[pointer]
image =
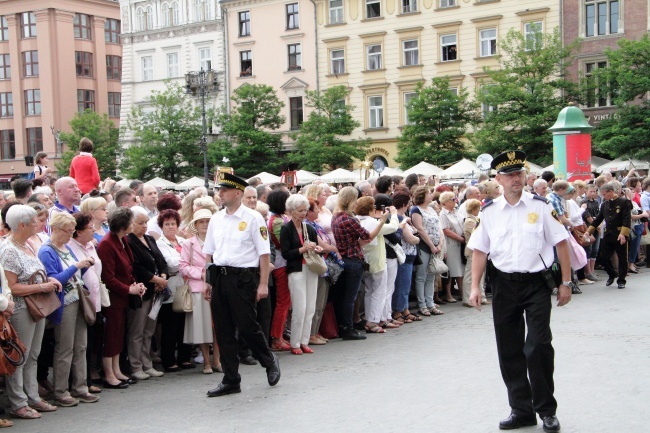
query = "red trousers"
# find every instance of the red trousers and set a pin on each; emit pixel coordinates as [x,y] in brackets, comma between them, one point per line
[282,302]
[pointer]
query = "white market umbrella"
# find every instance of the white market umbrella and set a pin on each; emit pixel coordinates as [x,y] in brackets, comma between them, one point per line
[423,168]
[193,182]
[463,169]
[388,171]
[620,164]
[267,178]
[124,182]
[305,177]
[340,175]
[535,169]
[161,183]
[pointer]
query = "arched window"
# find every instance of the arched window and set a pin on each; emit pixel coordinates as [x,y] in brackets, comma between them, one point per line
[149,18]
[200,9]
[166,17]
[175,14]
[140,18]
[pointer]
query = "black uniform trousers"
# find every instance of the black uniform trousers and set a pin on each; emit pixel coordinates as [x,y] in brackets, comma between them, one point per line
[234,309]
[524,355]
[264,319]
[609,245]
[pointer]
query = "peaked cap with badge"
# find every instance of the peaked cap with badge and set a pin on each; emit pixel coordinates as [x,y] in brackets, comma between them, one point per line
[227,180]
[509,162]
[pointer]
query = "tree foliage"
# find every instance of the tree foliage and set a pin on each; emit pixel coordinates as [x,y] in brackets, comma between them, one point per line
[627,80]
[101,131]
[527,93]
[324,142]
[167,137]
[438,119]
[251,145]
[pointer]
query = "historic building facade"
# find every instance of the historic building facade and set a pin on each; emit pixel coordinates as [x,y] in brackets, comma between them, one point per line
[381,49]
[57,58]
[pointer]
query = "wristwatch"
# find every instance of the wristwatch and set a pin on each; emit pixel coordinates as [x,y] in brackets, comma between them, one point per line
[567,283]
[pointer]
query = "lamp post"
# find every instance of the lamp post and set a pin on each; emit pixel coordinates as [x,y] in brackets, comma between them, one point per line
[202,83]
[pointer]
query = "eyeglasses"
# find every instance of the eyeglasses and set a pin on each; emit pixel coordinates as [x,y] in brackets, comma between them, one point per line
[70,232]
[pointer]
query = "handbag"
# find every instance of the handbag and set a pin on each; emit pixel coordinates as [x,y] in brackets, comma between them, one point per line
[183,295]
[13,350]
[645,239]
[41,305]
[399,252]
[577,254]
[334,269]
[578,232]
[437,265]
[104,295]
[328,327]
[86,305]
[314,261]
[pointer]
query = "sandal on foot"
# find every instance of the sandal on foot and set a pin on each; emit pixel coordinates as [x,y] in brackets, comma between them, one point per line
[25,412]
[375,329]
[424,312]
[412,317]
[5,423]
[389,325]
[43,406]
[436,312]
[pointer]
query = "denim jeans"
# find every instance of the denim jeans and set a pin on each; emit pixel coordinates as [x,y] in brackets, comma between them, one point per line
[344,292]
[403,285]
[424,282]
[633,248]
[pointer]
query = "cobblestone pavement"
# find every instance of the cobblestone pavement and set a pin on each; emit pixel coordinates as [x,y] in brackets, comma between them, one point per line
[439,375]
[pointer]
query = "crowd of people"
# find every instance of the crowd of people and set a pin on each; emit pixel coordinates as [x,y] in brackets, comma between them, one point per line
[129,250]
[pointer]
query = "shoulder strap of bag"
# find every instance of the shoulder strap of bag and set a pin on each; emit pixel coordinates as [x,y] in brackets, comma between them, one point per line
[74,276]
[305,233]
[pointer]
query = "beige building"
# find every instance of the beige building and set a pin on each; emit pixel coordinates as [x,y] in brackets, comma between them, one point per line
[381,49]
[57,57]
[272,42]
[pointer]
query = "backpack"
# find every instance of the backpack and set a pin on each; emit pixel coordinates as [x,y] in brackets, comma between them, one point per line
[32,175]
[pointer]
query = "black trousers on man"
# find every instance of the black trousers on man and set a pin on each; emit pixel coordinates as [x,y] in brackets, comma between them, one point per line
[233,308]
[515,298]
[609,245]
[264,319]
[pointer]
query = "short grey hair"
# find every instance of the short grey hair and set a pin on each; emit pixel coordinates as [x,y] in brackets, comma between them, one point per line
[616,185]
[20,214]
[250,188]
[608,187]
[540,182]
[138,210]
[295,201]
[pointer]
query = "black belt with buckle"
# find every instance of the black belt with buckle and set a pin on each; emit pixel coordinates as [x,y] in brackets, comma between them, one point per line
[516,276]
[225,270]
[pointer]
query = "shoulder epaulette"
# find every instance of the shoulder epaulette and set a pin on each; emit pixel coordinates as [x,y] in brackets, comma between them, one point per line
[540,198]
[487,203]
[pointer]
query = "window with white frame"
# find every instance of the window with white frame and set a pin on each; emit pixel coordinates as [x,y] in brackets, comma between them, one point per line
[336,11]
[205,58]
[486,107]
[447,3]
[147,68]
[373,8]
[149,17]
[373,54]
[408,97]
[448,47]
[293,16]
[201,10]
[598,95]
[376,112]
[454,90]
[246,63]
[409,6]
[139,17]
[176,14]
[488,42]
[295,56]
[173,69]
[295,112]
[601,17]
[4,28]
[166,18]
[411,52]
[533,34]
[244,23]
[337,59]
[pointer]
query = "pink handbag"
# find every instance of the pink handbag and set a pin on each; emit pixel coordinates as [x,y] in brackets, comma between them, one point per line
[577,254]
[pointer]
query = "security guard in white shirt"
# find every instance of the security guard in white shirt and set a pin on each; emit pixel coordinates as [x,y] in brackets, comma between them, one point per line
[237,245]
[518,231]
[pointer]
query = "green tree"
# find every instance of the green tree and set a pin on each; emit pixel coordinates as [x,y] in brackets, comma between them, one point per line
[167,137]
[438,120]
[525,95]
[104,135]
[251,145]
[627,81]
[323,142]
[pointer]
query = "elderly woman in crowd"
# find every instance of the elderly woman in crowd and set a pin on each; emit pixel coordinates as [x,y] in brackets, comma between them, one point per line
[97,207]
[277,205]
[82,245]
[21,264]
[426,222]
[168,200]
[409,242]
[150,269]
[303,283]
[473,207]
[40,236]
[198,323]
[349,235]
[452,226]
[326,241]
[375,256]
[117,274]
[70,330]
[173,324]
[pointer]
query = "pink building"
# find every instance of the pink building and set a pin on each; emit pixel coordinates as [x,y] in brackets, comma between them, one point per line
[272,42]
[57,57]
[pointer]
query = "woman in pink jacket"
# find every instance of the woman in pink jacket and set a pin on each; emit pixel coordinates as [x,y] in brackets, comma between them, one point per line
[198,323]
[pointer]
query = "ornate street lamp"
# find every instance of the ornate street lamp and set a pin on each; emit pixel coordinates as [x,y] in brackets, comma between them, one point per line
[202,83]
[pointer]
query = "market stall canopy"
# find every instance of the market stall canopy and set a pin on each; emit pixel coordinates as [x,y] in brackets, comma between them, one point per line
[305,177]
[621,164]
[535,169]
[423,168]
[463,169]
[339,175]
[193,182]
[596,162]
[124,183]
[267,178]
[388,171]
[161,183]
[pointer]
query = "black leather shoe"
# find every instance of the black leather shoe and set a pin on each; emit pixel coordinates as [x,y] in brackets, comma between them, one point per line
[130,381]
[224,389]
[515,421]
[120,385]
[551,424]
[352,334]
[247,360]
[273,371]
[621,285]
[609,282]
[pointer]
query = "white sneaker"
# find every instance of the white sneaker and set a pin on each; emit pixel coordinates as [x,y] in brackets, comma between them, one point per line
[154,373]
[585,282]
[140,375]
[199,359]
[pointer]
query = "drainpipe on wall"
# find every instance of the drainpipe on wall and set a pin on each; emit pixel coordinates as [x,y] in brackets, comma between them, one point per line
[562,37]
[226,72]
[316,45]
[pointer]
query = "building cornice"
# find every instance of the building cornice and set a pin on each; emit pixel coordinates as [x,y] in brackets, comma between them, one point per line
[488,18]
[532,11]
[173,32]
[448,24]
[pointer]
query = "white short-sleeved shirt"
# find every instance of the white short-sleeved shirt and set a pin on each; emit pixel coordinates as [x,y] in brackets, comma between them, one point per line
[516,236]
[237,240]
